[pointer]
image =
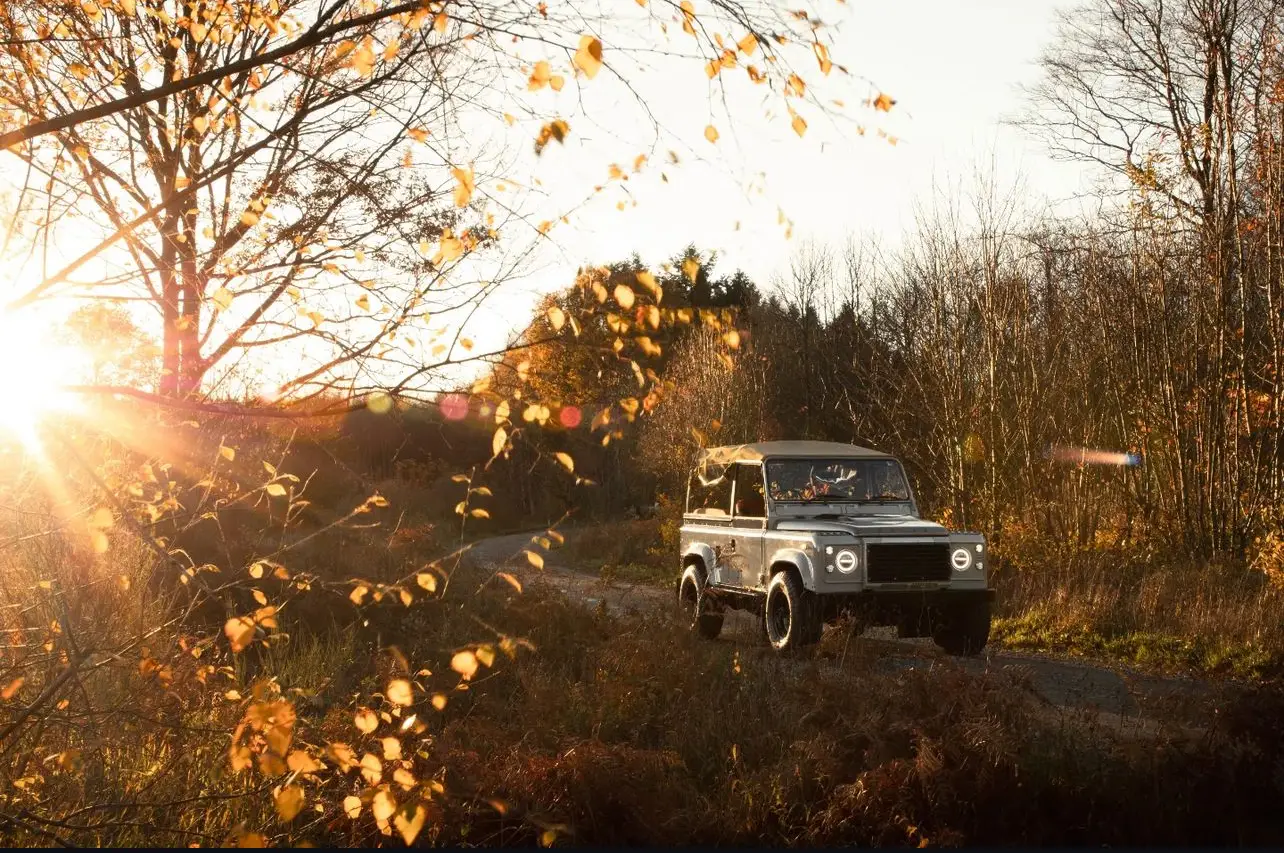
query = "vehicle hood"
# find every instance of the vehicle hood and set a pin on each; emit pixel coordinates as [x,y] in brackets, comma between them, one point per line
[866,525]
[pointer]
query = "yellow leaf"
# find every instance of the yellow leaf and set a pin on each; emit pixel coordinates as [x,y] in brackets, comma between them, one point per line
[249,218]
[799,124]
[589,56]
[691,269]
[276,490]
[222,298]
[127,6]
[534,559]
[363,302]
[748,44]
[352,806]
[688,17]
[391,749]
[289,802]
[239,631]
[557,317]
[418,134]
[512,581]
[566,460]
[498,441]
[227,453]
[383,806]
[464,187]
[201,124]
[427,580]
[439,701]
[479,513]
[486,655]
[822,57]
[464,663]
[732,339]
[795,86]
[557,81]
[884,102]
[711,133]
[539,76]
[366,720]
[411,822]
[11,689]
[371,768]
[363,58]
[624,296]
[400,692]
[300,762]
[440,22]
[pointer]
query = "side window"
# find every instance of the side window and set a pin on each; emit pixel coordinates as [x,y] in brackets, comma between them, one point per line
[750,502]
[710,491]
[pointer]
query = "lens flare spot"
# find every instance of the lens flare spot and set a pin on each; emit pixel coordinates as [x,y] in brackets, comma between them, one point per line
[454,407]
[1088,456]
[570,417]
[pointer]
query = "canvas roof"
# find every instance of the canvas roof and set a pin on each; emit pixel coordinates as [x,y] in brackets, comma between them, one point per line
[763,449]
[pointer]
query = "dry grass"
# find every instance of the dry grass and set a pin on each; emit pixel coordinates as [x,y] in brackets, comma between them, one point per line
[627,731]
[1144,608]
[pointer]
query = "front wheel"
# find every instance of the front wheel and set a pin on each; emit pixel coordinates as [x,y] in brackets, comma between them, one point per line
[965,630]
[693,604]
[790,614]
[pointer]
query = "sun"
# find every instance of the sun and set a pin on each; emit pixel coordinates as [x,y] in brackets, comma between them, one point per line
[35,371]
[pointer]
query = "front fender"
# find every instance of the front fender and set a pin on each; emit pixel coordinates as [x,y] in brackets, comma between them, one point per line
[799,559]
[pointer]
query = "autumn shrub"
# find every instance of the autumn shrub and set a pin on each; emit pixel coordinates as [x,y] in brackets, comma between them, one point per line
[648,737]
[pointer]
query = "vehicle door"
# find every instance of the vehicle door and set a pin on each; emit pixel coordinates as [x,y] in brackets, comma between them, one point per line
[708,517]
[749,523]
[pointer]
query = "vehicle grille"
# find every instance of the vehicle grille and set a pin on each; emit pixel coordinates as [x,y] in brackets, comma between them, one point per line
[891,562]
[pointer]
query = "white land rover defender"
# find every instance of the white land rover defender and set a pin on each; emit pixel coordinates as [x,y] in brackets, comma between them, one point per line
[804,531]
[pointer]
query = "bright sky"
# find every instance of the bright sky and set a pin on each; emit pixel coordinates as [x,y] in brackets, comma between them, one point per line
[953,66]
[954,69]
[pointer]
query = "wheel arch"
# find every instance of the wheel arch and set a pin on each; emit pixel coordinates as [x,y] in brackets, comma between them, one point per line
[695,555]
[796,559]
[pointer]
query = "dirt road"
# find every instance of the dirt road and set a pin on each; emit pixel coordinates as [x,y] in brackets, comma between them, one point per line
[1128,702]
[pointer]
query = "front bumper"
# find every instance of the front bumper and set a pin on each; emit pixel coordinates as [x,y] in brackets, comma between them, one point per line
[893,604]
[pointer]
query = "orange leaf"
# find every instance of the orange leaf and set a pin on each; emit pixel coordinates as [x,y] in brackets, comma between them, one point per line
[589,56]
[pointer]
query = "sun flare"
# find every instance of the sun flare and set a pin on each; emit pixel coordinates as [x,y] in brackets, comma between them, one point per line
[35,371]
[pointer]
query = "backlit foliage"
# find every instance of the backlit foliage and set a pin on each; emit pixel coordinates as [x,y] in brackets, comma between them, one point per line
[302,201]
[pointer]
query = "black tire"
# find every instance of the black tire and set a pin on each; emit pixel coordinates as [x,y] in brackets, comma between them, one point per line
[964,631]
[693,604]
[789,614]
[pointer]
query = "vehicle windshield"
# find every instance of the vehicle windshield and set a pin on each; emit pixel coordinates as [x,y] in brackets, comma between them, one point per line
[836,480]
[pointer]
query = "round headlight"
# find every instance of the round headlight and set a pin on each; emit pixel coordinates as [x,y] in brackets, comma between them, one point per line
[846,561]
[961,559]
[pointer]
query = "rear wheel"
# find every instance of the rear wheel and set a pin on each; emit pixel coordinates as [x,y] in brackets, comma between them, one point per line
[790,615]
[694,606]
[964,630]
